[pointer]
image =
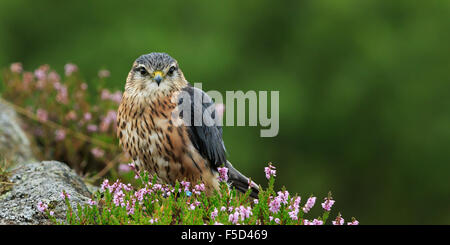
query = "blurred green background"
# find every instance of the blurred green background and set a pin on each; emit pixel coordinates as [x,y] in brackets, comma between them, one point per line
[364,85]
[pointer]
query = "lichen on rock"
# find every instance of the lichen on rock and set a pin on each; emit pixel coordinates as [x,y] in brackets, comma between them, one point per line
[41,181]
[14,144]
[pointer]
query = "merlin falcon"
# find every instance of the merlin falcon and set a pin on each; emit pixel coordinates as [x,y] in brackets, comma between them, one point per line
[154,127]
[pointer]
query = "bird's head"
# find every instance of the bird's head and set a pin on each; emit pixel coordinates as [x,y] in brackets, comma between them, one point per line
[155,74]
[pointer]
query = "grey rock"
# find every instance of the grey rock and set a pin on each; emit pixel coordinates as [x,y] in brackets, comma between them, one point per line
[92,188]
[41,181]
[14,144]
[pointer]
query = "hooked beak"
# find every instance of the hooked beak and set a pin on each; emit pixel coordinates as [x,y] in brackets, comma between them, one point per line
[158,77]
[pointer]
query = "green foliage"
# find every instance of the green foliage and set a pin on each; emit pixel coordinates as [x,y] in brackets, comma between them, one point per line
[5,184]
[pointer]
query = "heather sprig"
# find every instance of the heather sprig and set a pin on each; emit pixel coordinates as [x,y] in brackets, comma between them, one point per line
[70,120]
[148,202]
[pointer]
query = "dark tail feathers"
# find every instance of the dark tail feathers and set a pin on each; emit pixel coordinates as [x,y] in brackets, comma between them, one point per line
[240,182]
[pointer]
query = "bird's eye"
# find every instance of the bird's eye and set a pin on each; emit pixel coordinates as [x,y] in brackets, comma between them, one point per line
[142,70]
[171,70]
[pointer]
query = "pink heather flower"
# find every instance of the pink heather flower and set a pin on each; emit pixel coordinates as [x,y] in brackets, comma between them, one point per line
[199,188]
[296,203]
[234,217]
[223,208]
[62,95]
[214,213]
[255,201]
[132,166]
[270,171]
[294,214]
[105,94]
[70,68]
[16,67]
[339,220]
[91,202]
[57,86]
[185,184]
[87,116]
[52,213]
[42,115]
[217,223]
[317,222]
[309,204]
[223,174]
[103,73]
[124,168]
[64,195]
[295,209]
[250,183]
[41,206]
[140,194]
[354,222]
[54,77]
[270,218]
[110,117]
[284,196]
[130,206]
[114,187]
[230,209]
[92,128]
[104,185]
[245,212]
[60,134]
[118,198]
[157,187]
[314,222]
[117,186]
[277,220]
[127,187]
[116,97]
[40,74]
[97,152]
[72,115]
[83,86]
[27,77]
[275,204]
[327,204]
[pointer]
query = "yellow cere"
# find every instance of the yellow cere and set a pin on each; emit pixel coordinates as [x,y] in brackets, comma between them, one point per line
[156,73]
